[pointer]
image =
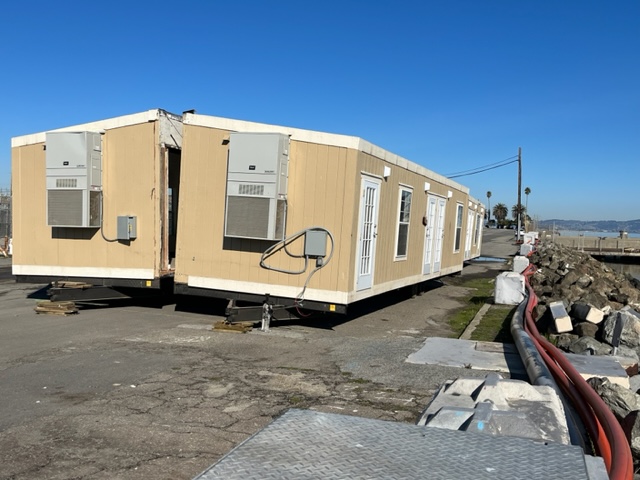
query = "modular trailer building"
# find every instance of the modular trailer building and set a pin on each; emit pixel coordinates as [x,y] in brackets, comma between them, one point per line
[96,202]
[319,220]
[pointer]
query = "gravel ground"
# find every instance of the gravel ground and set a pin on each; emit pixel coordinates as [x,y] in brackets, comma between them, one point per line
[150,392]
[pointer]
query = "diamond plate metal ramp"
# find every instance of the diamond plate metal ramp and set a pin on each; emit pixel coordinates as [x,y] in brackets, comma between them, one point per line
[304,444]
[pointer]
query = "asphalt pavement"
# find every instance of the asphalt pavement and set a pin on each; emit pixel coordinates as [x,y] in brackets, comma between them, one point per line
[144,391]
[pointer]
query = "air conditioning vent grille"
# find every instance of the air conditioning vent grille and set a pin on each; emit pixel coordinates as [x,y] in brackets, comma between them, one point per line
[66,183]
[280,219]
[64,208]
[247,217]
[250,189]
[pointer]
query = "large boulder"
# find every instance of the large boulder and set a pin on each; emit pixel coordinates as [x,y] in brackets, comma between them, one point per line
[589,346]
[584,281]
[629,353]
[631,427]
[570,278]
[619,399]
[564,340]
[586,329]
[630,333]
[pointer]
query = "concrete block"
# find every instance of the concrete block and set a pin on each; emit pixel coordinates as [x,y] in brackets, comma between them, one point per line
[587,313]
[450,352]
[509,288]
[526,249]
[520,263]
[529,238]
[561,318]
[497,406]
[589,366]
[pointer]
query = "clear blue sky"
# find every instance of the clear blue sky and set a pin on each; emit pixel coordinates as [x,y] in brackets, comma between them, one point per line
[450,85]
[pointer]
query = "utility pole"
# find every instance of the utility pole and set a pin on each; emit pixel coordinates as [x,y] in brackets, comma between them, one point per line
[519,190]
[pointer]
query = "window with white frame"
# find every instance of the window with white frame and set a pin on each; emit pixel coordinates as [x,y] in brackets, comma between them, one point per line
[404,213]
[458,239]
[476,236]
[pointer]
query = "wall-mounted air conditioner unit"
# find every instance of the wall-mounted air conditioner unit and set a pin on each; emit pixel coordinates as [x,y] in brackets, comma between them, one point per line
[74,179]
[257,174]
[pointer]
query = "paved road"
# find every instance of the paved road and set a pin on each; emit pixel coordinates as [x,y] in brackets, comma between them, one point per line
[150,392]
[498,243]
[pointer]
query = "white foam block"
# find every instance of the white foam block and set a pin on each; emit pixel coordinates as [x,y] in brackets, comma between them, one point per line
[525,249]
[520,263]
[509,288]
[561,318]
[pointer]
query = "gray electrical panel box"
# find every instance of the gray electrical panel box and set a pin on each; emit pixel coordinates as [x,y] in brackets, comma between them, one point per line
[74,179]
[315,243]
[257,175]
[127,228]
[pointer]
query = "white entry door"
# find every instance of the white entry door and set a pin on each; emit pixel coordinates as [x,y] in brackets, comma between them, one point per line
[370,193]
[439,235]
[432,203]
[467,241]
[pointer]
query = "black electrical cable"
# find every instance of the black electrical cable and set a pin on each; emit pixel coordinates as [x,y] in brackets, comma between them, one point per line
[471,171]
[483,170]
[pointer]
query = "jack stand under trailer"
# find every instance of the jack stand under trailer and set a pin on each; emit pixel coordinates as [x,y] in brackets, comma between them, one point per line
[267,315]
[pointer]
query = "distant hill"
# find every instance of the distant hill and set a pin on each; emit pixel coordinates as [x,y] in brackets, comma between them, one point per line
[631,226]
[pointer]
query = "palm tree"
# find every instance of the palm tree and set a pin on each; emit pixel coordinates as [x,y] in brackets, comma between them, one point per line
[518,209]
[489,200]
[500,212]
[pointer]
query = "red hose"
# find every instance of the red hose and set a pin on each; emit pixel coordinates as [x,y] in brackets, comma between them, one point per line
[602,425]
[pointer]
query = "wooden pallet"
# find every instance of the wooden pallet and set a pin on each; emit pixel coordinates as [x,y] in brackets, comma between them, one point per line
[56,308]
[238,327]
[67,284]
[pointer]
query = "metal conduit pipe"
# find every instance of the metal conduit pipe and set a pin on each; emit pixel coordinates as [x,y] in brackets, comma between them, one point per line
[537,369]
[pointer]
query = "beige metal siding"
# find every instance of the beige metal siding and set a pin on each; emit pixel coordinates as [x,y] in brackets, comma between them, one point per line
[31,237]
[319,194]
[387,267]
[130,186]
[324,191]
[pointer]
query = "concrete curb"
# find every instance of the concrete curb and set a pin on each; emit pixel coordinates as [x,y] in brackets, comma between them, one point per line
[466,335]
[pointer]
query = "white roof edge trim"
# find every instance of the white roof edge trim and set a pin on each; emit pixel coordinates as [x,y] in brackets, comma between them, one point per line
[387,156]
[299,134]
[107,124]
[312,136]
[475,200]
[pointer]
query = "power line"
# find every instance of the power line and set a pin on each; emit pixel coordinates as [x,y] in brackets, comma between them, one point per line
[484,166]
[483,169]
[462,172]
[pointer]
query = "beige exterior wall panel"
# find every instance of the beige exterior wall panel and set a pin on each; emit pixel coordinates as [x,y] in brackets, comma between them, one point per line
[202,191]
[317,197]
[324,190]
[130,169]
[388,267]
[30,231]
